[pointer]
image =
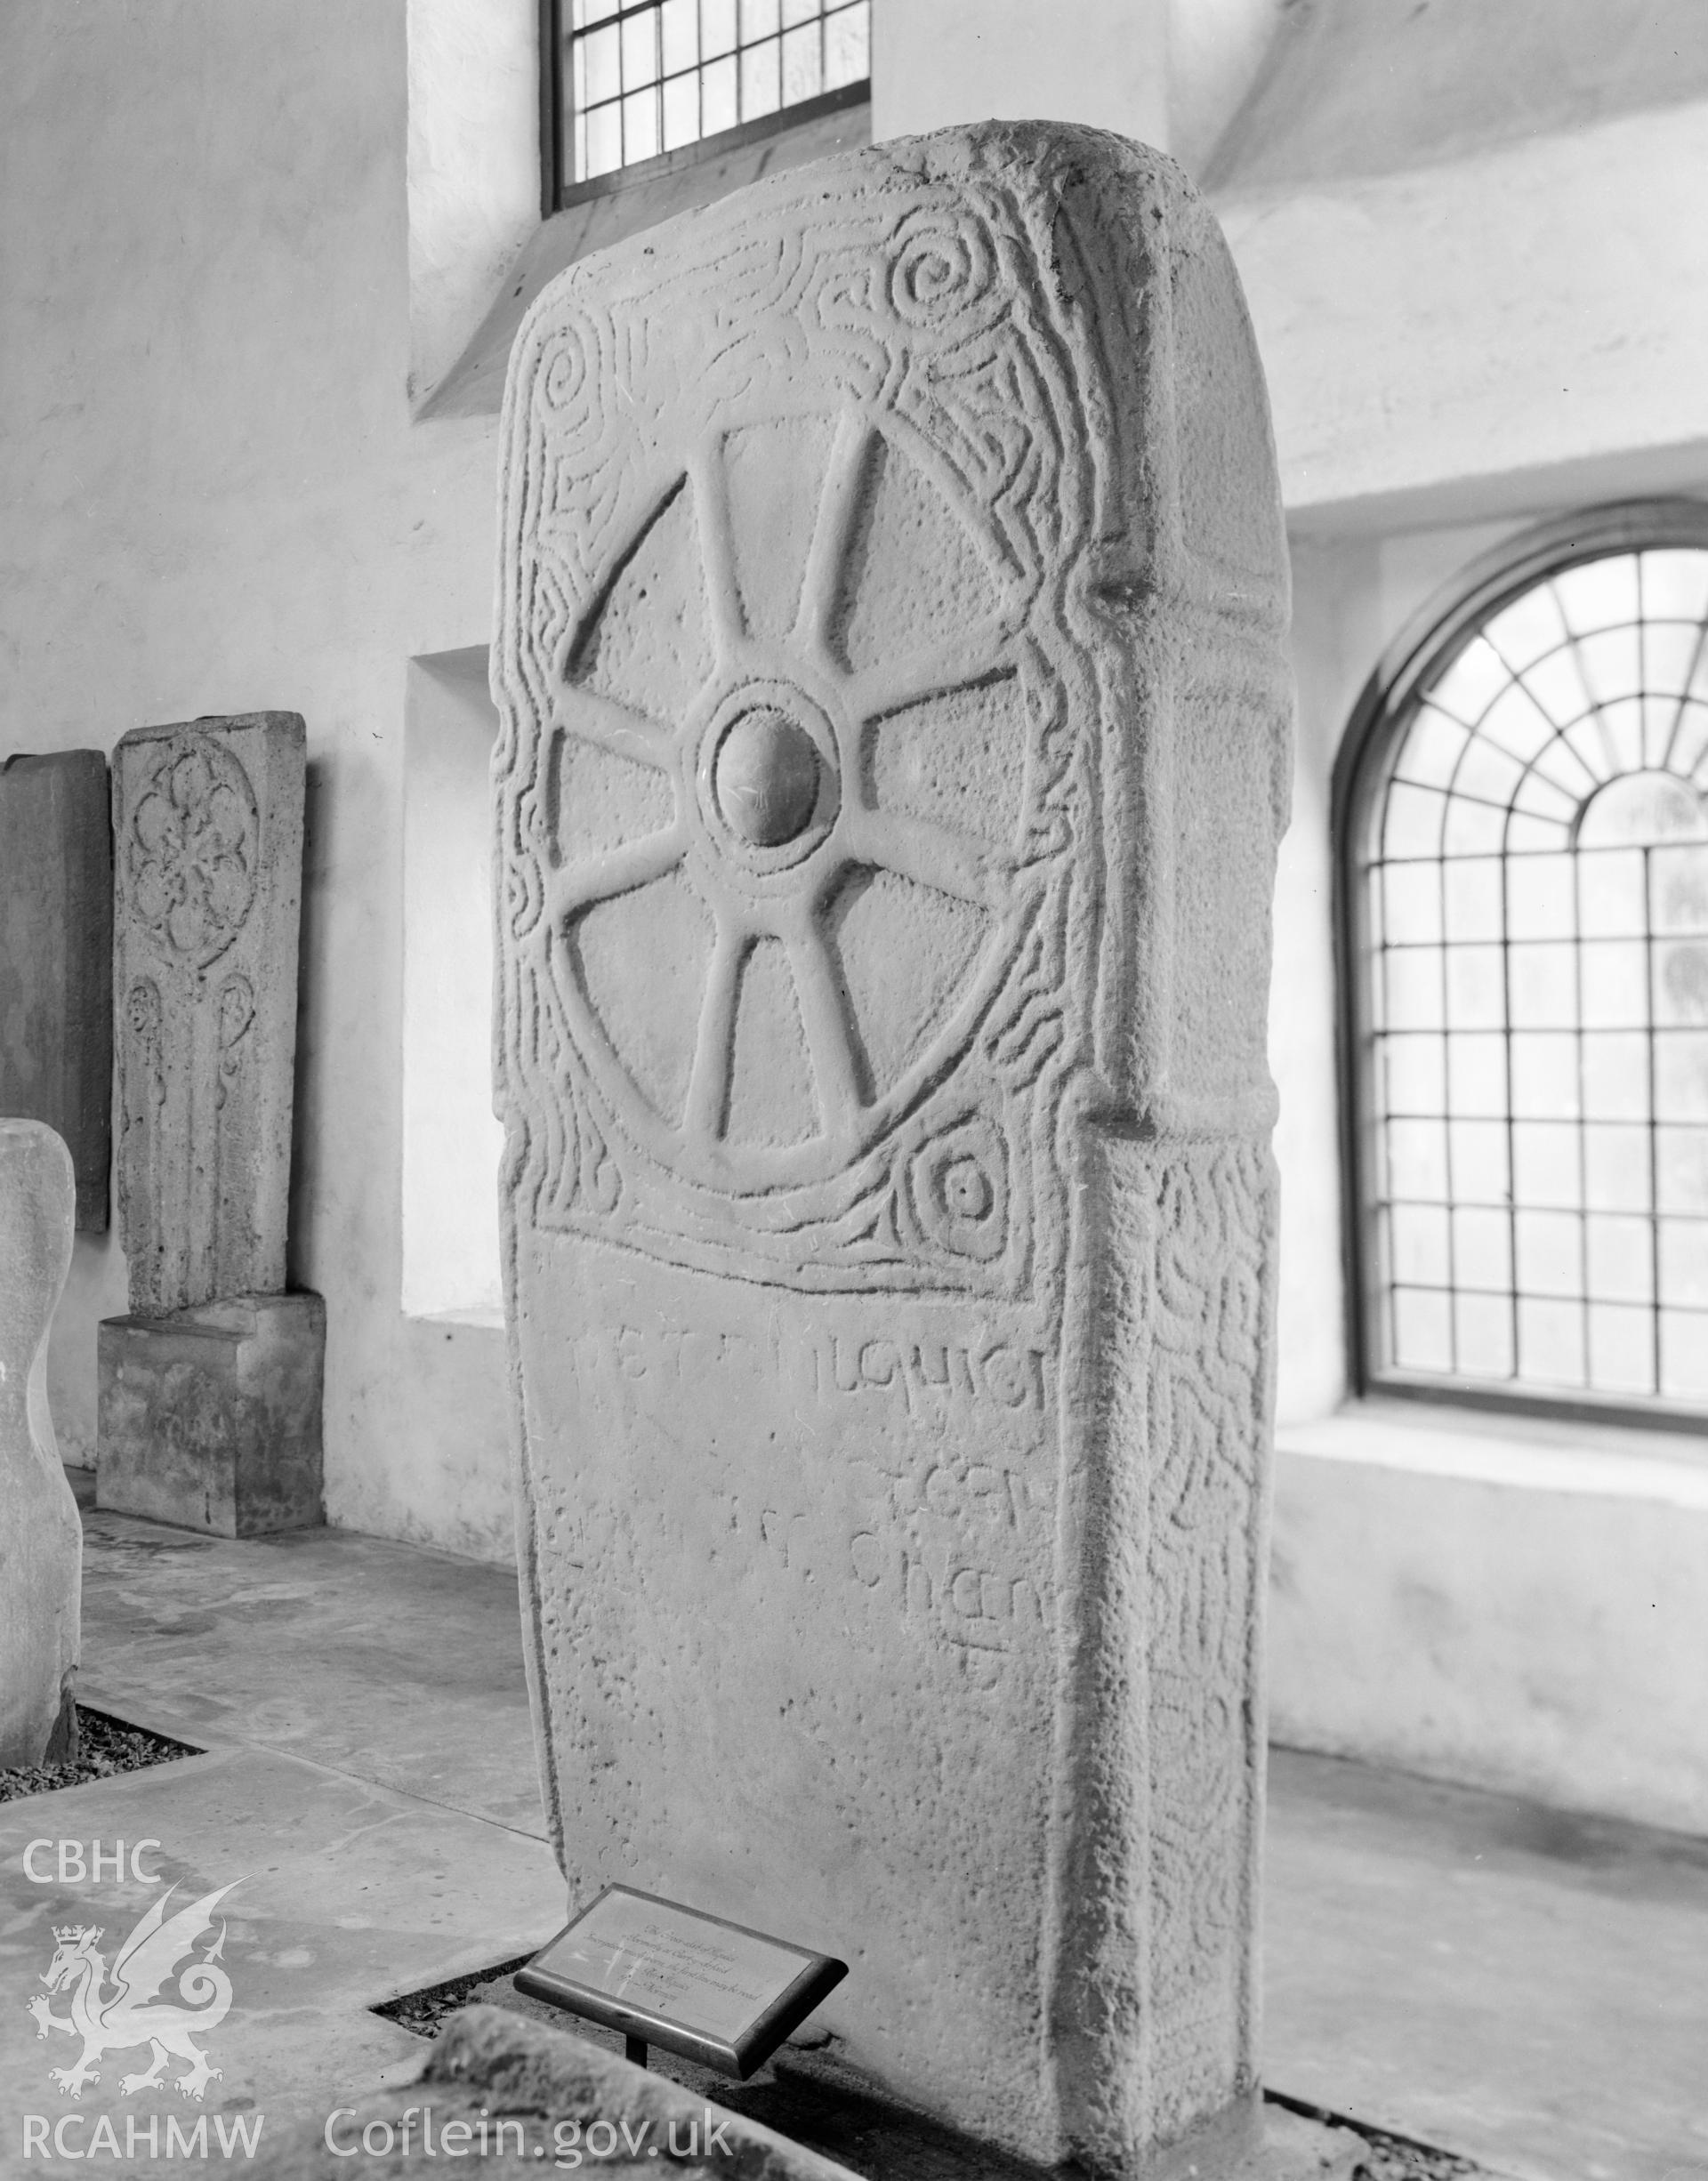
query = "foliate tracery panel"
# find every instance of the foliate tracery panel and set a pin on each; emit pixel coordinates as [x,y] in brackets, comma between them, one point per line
[190,850]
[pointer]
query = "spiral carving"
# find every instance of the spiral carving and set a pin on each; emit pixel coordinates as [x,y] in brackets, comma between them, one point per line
[941,268]
[565,373]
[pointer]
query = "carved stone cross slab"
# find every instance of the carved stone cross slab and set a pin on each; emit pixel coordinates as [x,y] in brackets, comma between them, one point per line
[207,822]
[895,749]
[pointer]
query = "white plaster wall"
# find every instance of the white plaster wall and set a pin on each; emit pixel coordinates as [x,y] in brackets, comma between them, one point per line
[473,165]
[1523,1609]
[213,501]
[1102,62]
[1535,304]
[1173,73]
[1383,86]
[1216,52]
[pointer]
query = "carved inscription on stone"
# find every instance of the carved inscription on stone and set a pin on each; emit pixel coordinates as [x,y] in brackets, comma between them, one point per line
[944,1423]
[891,578]
[208,831]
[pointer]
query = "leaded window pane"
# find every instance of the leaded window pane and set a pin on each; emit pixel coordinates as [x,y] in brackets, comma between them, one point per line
[1532,880]
[654,76]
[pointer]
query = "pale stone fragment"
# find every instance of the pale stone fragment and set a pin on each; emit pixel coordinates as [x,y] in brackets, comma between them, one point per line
[208,820]
[567,2103]
[895,750]
[41,1532]
[56,957]
[210,1418]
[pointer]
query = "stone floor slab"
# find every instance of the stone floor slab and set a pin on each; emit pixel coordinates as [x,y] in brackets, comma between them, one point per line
[1525,1987]
[391,1663]
[342,1894]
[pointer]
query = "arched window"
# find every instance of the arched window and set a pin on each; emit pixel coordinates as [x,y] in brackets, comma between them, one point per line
[1523,815]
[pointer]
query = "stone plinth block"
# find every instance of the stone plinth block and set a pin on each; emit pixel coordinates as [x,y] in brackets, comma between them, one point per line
[211,1418]
[207,821]
[56,957]
[895,751]
[41,1532]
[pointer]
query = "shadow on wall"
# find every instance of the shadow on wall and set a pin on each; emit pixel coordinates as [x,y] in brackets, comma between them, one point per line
[305,1122]
[452,1144]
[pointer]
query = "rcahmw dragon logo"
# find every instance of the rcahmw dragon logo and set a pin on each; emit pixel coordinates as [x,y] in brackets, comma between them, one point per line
[112,2019]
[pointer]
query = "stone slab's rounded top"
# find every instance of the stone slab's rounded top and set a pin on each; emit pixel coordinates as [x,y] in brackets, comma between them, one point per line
[31,1149]
[38,1209]
[827,510]
[287,727]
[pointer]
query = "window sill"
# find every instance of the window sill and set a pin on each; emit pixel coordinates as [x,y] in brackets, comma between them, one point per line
[1523,1453]
[474,385]
[481,1321]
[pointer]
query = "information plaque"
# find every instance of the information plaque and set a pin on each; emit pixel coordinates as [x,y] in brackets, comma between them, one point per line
[665,1975]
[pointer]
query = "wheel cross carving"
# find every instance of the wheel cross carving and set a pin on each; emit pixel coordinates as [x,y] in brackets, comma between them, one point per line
[771,808]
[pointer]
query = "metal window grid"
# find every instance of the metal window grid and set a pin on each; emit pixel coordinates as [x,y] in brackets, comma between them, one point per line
[1530,1029]
[642,78]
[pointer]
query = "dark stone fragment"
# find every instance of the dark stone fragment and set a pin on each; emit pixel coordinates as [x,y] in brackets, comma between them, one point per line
[56,959]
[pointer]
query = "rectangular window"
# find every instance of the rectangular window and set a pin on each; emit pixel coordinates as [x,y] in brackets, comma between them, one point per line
[640,86]
[1527,892]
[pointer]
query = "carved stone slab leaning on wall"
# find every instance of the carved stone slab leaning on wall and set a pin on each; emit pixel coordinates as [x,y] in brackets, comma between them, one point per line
[56,957]
[211,1388]
[207,822]
[895,749]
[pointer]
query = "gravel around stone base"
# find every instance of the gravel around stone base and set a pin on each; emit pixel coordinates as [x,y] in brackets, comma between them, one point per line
[422,2012]
[807,2096]
[1390,2158]
[105,1746]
